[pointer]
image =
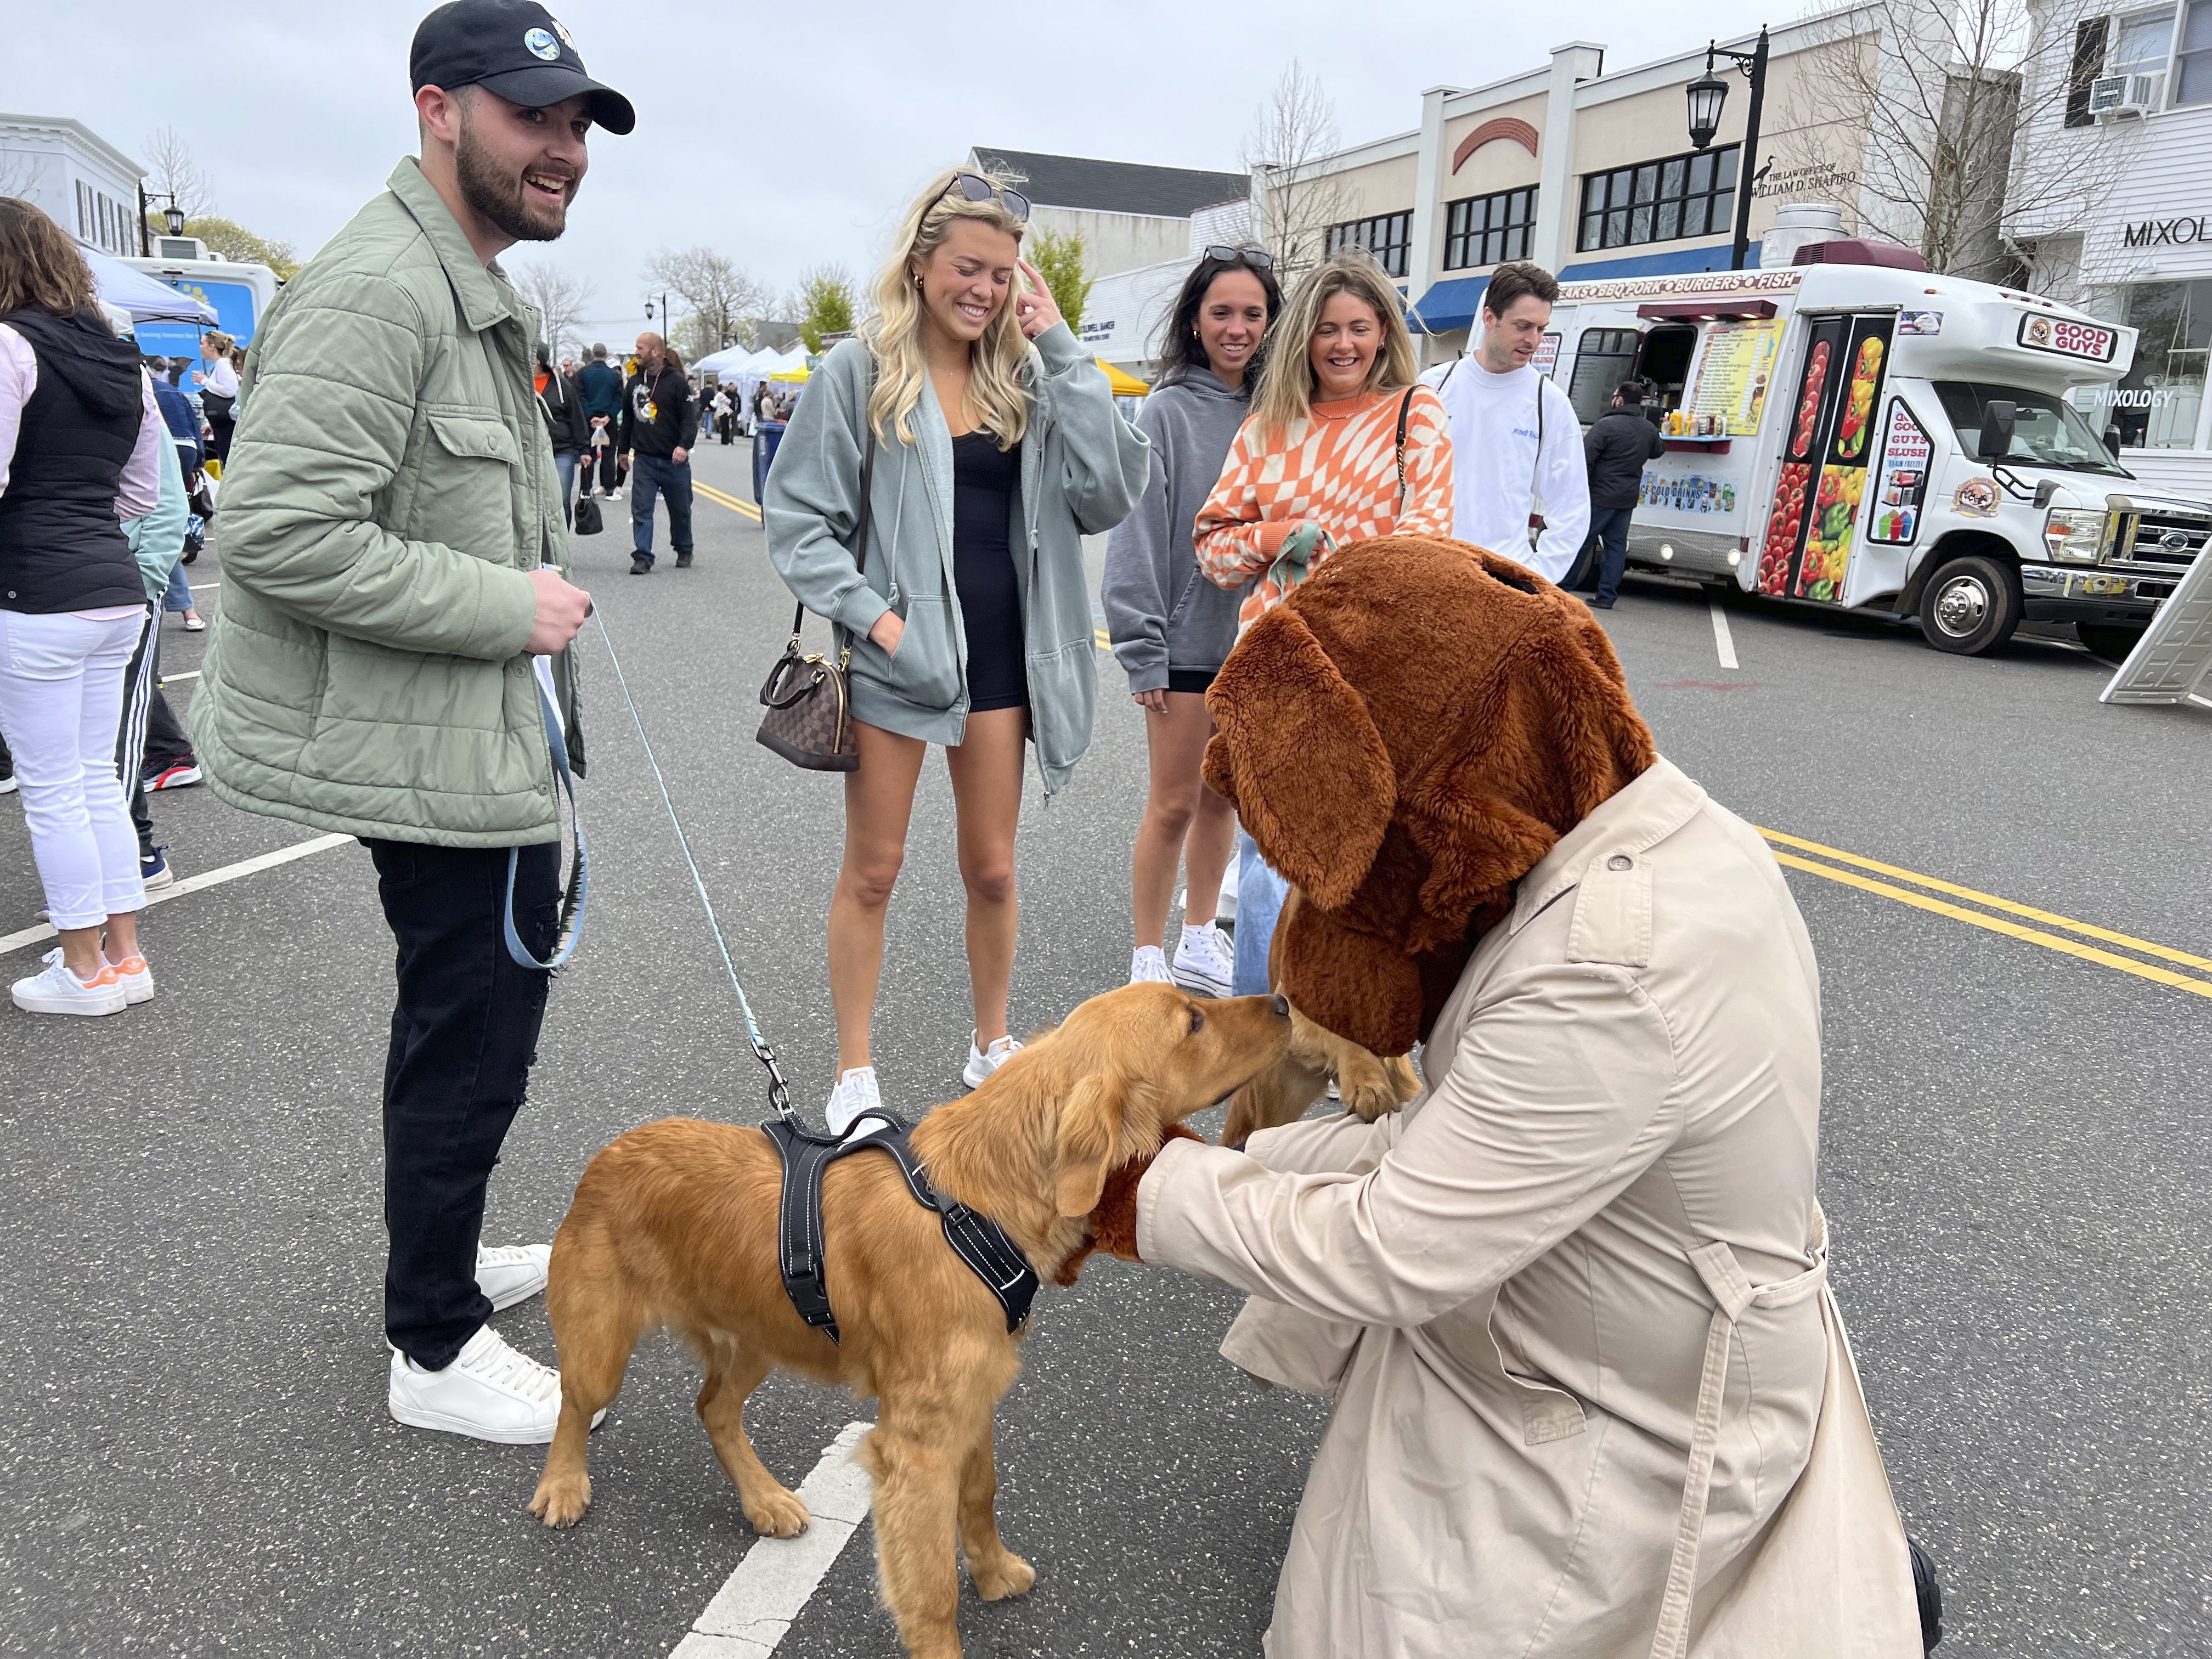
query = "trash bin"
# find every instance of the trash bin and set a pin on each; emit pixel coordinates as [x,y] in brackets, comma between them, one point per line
[767,434]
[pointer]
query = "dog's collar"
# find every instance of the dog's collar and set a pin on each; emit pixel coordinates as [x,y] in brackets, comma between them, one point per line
[975,1237]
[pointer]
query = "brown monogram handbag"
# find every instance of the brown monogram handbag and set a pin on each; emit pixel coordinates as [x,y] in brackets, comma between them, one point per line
[809,699]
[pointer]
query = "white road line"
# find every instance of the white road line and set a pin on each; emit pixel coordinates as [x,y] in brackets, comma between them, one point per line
[772,1585]
[195,883]
[1724,642]
[189,674]
[202,587]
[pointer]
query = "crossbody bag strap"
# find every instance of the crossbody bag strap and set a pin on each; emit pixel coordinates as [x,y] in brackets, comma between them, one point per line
[867,511]
[1405,410]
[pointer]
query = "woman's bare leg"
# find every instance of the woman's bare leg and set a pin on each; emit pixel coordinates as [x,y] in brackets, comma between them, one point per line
[987,796]
[1184,823]
[878,802]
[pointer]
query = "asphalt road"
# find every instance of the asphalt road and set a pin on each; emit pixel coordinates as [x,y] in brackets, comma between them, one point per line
[2016,1168]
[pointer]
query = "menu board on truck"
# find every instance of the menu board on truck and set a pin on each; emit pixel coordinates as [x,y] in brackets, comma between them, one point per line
[1833,523]
[1904,480]
[1735,373]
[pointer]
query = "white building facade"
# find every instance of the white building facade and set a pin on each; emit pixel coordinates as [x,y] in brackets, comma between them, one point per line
[2134,245]
[85,184]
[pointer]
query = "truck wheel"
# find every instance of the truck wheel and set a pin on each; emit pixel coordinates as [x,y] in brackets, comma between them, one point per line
[1970,606]
[2113,643]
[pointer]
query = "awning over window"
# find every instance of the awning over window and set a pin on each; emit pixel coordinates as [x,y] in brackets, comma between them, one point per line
[1448,305]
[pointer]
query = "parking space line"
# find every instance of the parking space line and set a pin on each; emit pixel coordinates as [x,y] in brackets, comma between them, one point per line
[1724,642]
[189,674]
[2048,918]
[204,587]
[771,1587]
[16,941]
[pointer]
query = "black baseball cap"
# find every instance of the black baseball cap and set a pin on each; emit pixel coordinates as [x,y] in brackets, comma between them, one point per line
[513,49]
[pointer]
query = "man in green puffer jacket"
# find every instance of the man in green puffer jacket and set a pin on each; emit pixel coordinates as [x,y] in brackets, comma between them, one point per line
[390,524]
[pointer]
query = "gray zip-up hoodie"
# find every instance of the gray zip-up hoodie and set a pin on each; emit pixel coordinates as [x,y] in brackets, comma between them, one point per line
[1081,466]
[1161,613]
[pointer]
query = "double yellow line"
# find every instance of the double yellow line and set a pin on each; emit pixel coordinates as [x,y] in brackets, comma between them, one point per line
[2196,984]
[744,508]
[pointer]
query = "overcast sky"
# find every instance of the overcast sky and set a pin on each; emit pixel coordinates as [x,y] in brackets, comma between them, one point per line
[782,134]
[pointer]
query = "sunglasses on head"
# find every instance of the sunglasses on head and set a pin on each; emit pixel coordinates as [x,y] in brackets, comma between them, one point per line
[1242,256]
[976,188]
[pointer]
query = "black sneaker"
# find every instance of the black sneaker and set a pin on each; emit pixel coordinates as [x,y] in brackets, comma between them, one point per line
[683,560]
[640,567]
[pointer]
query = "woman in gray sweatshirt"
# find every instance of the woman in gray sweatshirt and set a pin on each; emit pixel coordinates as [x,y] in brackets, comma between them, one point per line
[1171,628]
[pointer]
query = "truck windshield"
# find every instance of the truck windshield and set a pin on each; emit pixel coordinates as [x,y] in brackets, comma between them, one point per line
[2048,431]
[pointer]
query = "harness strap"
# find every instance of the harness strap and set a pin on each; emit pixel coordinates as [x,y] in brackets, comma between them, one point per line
[572,901]
[1732,1294]
[976,1239]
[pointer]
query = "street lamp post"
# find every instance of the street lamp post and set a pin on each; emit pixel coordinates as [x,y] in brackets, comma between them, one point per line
[172,218]
[664,314]
[1707,93]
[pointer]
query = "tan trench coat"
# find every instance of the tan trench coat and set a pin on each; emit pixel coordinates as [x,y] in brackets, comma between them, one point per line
[1511,1288]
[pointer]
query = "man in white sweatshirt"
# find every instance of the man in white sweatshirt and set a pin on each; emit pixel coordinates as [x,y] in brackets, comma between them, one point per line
[1518,476]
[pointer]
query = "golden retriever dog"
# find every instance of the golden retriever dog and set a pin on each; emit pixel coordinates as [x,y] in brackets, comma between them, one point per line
[674,1226]
[1370,1084]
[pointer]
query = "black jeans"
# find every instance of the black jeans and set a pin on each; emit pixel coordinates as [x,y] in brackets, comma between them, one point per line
[1609,529]
[464,1035]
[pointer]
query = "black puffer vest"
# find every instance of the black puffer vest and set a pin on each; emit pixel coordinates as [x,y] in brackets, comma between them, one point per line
[61,547]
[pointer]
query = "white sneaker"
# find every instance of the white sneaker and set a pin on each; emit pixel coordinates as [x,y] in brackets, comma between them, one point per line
[981,1062]
[1202,964]
[1148,965]
[58,991]
[614,495]
[509,1273]
[490,1392]
[135,978]
[854,1098]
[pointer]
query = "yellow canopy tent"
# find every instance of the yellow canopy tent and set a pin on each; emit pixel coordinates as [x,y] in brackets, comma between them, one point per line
[792,376]
[1125,385]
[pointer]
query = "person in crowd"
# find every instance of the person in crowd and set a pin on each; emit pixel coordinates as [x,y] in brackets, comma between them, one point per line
[1171,629]
[218,392]
[568,367]
[1568,1306]
[382,599]
[566,424]
[1341,444]
[660,426]
[966,398]
[152,751]
[599,386]
[763,406]
[1522,488]
[726,416]
[1614,450]
[81,443]
[183,424]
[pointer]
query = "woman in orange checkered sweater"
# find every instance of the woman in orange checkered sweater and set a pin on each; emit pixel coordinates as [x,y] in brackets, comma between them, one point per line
[1317,464]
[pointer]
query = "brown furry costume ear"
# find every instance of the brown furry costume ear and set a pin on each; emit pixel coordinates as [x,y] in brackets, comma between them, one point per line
[1300,758]
[1114,1219]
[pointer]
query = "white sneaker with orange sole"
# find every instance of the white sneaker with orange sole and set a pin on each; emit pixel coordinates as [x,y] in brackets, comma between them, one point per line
[135,978]
[59,991]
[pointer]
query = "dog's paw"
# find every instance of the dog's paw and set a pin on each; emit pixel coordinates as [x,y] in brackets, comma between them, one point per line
[562,1500]
[1003,1575]
[777,1515]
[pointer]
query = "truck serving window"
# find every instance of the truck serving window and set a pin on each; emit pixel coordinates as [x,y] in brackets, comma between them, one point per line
[2049,431]
[1603,359]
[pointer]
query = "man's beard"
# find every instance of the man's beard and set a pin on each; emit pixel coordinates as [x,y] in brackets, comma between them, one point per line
[497,198]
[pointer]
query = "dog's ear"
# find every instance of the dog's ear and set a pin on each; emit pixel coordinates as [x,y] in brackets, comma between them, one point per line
[1090,1142]
[1298,754]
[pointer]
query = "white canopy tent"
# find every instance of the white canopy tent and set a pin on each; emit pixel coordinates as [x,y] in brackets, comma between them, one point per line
[145,298]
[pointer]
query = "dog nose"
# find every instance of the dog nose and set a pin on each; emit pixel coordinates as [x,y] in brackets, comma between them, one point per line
[1282,1006]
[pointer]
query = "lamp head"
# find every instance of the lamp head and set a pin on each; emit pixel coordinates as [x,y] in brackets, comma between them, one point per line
[1707,93]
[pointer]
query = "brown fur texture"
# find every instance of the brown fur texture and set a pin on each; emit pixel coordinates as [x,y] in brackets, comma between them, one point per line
[1404,736]
[1114,1218]
[674,1226]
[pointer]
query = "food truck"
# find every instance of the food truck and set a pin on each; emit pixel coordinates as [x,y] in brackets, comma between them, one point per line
[239,291]
[1850,433]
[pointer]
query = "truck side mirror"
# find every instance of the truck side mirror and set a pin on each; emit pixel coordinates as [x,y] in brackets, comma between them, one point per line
[1999,417]
[2112,441]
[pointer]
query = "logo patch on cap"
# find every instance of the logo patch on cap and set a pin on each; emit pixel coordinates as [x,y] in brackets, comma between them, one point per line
[567,39]
[542,44]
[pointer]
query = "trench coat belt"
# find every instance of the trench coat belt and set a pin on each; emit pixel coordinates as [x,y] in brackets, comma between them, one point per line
[1732,1293]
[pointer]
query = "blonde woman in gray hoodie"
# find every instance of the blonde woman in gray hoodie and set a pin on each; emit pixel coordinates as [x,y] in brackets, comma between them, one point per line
[1171,628]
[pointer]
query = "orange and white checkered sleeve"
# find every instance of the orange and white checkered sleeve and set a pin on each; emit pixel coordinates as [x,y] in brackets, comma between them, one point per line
[1428,502]
[1233,537]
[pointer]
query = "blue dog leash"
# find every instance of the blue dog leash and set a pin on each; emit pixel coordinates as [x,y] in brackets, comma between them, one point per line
[571,901]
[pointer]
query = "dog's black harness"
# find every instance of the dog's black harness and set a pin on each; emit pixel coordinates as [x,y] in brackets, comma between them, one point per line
[977,1240]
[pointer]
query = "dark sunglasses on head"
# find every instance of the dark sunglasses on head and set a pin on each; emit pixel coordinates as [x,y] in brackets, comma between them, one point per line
[1242,256]
[976,188]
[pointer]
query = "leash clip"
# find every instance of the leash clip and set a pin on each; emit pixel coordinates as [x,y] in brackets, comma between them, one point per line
[778,1091]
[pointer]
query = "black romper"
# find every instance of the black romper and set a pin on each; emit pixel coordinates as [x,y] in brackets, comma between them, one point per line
[984,481]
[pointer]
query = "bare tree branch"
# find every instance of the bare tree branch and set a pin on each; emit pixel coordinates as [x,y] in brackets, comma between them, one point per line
[724,300]
[562,300]
[173,172]
[1296,202]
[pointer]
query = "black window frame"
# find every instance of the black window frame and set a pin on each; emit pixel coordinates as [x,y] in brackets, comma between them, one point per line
[1658,200]
[1501,226]
[2089,37]
[1387,236]
[1591,383]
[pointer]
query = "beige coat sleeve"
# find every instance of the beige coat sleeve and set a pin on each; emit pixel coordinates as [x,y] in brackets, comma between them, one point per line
[1561,1095]
[1342,1145]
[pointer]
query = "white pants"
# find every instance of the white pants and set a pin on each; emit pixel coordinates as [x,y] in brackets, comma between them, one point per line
[61,704]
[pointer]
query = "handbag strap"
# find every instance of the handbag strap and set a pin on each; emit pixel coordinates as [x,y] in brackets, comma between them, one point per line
[1405,409]
[867,510]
